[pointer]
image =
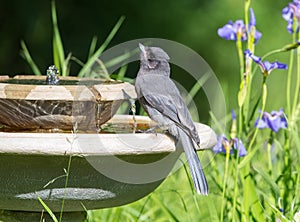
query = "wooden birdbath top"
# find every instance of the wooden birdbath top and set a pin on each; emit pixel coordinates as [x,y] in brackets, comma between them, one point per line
[26,102]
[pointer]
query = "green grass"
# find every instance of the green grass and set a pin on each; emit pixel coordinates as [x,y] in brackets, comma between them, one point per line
[263,185]
[173,200]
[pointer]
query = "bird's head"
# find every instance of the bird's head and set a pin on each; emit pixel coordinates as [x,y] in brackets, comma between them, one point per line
[152,56]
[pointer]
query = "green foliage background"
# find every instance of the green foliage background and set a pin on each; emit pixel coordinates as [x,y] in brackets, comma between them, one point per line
[193,23]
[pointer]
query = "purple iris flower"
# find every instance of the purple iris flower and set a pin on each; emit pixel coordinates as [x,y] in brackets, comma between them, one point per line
[289,13]
[252,23]
[274,120]
[233,115]
[252,18]
[231,30]
[266,67]
[236,143]
[223,144]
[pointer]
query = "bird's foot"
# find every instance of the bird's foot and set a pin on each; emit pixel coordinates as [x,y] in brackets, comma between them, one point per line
[150,130]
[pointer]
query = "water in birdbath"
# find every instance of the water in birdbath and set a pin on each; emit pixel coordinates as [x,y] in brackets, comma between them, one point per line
[87,82]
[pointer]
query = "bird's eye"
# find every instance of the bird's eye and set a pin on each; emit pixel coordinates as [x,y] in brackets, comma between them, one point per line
[152,63]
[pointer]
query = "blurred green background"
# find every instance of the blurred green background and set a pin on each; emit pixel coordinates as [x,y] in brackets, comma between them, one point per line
[193,23]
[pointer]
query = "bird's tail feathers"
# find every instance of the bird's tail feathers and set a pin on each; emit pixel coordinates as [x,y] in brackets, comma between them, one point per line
[197,173]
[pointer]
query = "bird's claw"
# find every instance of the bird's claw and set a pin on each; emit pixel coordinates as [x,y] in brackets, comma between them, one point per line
[150,130]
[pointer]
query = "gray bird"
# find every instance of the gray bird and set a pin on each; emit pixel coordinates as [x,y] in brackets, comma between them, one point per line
[163,103]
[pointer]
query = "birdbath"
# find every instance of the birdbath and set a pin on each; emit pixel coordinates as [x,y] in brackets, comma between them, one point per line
[38,149]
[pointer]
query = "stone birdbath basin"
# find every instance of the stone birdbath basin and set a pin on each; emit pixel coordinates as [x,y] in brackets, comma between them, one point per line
[37,149]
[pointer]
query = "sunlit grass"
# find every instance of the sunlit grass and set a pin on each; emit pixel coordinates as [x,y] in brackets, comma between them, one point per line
[173,200]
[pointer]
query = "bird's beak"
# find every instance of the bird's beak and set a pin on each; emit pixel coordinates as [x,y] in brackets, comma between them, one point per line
[142,48]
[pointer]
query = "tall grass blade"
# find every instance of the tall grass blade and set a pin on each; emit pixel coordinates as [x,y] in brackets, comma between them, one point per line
[269,180]
[143,207]
[48,209]
[66,185]
[122,72]
[248,157]
[165,208]
[197,86]
[121,58]
[76,60]
[66,65]
[58,49]
[92,47]
[252,203]
[85,69]
[211,206]
[26,55]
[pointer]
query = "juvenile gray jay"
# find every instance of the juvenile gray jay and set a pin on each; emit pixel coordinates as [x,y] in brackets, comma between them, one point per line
[163,103]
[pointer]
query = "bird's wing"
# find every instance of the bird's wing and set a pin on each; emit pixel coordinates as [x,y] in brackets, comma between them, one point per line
[164,105]
[186,121]
[173,107]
